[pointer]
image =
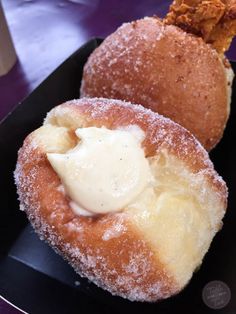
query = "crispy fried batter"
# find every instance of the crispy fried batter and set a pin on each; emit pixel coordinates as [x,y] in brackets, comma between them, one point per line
[213,20]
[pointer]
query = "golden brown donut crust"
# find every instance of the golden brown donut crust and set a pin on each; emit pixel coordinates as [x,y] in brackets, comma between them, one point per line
[165,69]
[124,265]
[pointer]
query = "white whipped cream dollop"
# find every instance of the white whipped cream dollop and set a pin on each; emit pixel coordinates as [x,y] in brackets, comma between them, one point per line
[105,172]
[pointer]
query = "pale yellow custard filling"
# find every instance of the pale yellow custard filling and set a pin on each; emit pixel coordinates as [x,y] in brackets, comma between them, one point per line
[170,207]
[105,171]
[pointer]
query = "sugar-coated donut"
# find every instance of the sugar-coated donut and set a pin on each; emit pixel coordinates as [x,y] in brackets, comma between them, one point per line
[146,251]
[167,70]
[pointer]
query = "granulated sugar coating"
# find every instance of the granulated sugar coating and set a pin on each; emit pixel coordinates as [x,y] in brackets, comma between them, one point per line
[148,250]
[167,70]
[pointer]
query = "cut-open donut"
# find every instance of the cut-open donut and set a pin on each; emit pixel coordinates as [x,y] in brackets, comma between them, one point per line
[149,249]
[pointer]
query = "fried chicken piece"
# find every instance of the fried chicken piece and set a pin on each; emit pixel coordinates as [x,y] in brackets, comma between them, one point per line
[213,20]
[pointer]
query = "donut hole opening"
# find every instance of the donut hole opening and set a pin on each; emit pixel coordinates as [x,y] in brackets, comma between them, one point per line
[55,139]
[61,117]
[57,135]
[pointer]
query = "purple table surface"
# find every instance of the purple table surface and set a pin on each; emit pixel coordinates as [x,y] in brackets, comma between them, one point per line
[46,32]
[8,308]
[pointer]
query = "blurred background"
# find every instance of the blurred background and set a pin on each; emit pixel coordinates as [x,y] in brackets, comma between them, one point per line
[46,32]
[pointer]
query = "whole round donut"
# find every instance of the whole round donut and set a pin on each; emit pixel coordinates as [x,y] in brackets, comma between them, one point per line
[144,254]
[167,70]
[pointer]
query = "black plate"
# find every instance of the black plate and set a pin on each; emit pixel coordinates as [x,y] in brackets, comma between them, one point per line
[37,280]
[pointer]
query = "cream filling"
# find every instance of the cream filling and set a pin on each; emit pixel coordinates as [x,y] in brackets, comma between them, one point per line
[229,81]
[175,210]
[229,76]
[178,216]
[105,172]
